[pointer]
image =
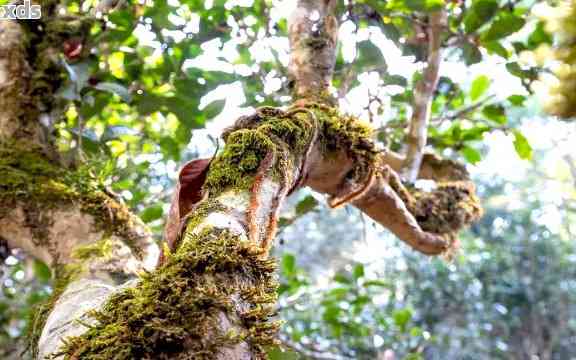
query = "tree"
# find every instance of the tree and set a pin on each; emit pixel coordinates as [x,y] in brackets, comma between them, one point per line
[213,293]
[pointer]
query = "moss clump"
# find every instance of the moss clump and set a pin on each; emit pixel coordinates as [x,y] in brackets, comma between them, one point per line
[446,209]
[176,312]
[340,132]
[37,183]
[251,140]
[274,130]
[99,249]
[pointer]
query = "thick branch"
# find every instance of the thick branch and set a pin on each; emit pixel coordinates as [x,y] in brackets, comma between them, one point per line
[423,97]
[313,34]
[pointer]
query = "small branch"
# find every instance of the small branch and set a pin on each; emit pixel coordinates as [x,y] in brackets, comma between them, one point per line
[465,110]
[423,97]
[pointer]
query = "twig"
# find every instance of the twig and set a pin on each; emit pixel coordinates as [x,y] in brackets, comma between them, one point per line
[465,110]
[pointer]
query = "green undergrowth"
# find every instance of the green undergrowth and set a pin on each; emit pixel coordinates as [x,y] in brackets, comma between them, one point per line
[176,311]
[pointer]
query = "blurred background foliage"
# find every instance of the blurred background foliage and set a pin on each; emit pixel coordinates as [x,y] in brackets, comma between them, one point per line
[160,79]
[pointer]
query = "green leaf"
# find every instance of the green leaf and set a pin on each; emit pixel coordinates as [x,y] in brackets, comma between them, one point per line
[505,24]
[121,18]
[376,283]
[515,69]
[424,5]
[479,87]
[358,271]
[368,55]
[288,264]
[395,80]
[516,100]
[496,113]
[115,88]
[170,148]
[341,278]
[338,293]
[306,205]
[494,47]
[151,213]
[331,314]
[42,272]
[479,14]
[471,155]
[471,53]
[214,108]
[522,146]
[539,36]
[402,317]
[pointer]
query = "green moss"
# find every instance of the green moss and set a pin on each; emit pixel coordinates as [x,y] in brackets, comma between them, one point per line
[99,249]
[37,183]
[237,165]
[175,311]
[272,130]
[446,209]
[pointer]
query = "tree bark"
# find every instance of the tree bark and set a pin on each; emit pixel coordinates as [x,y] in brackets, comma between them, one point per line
[313,34]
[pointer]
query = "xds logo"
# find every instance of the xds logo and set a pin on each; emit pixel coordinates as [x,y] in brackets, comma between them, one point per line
[22,11]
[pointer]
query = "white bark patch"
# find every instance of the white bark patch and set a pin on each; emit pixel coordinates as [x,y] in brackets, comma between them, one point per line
[151,256]
[223,221]
[71,228]
[268,191]
[79,297]
[236,200]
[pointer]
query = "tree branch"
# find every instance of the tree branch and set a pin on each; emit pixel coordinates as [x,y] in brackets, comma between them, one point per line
[423,97]
[313,34]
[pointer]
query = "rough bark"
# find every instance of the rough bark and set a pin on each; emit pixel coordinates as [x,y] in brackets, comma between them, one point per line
[15,76]
[313,34]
